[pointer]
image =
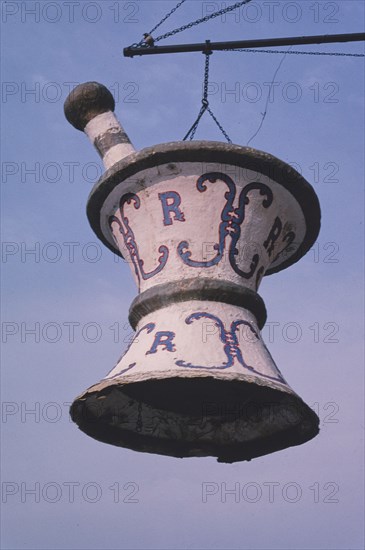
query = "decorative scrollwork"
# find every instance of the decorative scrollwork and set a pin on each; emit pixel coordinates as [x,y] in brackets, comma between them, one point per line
[289,238]
[130,241]
[230,345]
[236,225]
[230,225]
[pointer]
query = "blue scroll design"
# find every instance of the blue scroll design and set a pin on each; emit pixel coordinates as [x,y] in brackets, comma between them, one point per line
[230,225]
[130,241]
[239,214]
[149,328]
[230,345]
[289,238]
[183,247]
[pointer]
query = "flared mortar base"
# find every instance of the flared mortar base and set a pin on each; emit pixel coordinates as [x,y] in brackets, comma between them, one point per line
[232,420]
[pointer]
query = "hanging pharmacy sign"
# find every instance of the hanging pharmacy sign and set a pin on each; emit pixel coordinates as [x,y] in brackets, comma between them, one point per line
[200,223]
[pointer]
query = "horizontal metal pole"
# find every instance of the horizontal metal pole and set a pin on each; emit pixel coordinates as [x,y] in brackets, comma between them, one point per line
[261,43]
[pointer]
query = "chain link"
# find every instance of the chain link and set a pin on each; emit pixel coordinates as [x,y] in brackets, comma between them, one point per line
[203,20]
[219,126]
[167,16]
[139,425]
[206,77]
[294,52]
[194,127]
[142,42]
[205,104]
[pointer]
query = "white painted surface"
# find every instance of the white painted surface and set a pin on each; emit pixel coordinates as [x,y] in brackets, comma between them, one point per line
[101,124]
[169,227]
[117,153]
[197,343]
[199,338]
[202,214]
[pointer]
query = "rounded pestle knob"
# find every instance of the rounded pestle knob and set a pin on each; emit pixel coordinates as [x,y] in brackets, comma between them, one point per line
[85,102]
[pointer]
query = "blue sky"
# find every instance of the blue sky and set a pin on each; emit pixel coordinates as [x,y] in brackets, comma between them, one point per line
[315,121]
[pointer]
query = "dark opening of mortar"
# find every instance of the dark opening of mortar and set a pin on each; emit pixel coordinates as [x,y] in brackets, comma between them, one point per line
[182,417]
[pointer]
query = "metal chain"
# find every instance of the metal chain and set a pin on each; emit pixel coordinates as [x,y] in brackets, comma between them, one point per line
[205,105]
[203,19]
[167,16]
[219,126]
[206,78]
[139,425]
[142,42]
[296,52]
[194,127]
[205,101]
